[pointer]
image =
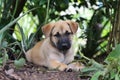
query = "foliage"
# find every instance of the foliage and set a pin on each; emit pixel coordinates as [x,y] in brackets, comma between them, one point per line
[95,17]
[108,71]
[11,47]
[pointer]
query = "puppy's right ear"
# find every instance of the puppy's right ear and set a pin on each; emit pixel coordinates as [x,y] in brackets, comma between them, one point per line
[73,25]
[46,29]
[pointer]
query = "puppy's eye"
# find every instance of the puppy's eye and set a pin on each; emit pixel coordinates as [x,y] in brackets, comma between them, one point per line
[67,33]
[57,34]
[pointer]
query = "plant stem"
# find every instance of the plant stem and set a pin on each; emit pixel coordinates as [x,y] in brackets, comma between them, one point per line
[82,55]
[16,5]
[47,11]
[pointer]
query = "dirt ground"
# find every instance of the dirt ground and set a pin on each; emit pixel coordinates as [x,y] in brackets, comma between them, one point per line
[33,72]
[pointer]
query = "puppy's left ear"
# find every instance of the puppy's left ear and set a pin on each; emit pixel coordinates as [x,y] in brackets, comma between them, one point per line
[73,26]
[46,29]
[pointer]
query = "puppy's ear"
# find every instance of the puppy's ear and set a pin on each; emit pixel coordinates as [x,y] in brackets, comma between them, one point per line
[73,26]
[46,29]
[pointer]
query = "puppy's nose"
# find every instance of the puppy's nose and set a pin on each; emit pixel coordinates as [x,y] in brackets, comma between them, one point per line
[64,45]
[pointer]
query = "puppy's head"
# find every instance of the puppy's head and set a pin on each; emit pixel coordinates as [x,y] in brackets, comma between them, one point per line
[60,33]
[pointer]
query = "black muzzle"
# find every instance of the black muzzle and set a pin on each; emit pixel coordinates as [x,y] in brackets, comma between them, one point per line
[63,44]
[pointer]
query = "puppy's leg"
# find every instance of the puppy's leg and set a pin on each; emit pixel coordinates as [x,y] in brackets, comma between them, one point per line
[76,66]
[54,64]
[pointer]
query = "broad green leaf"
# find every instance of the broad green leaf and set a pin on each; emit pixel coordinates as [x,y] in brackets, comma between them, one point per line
[114,54]
[88,69]
[96,64]
[19,63]
[96,75]
[4,44]
[117,77]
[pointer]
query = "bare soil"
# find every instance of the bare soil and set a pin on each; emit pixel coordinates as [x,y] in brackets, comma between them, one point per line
[34,72]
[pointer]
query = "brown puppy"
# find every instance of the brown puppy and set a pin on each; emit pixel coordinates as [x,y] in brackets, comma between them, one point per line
[55,51]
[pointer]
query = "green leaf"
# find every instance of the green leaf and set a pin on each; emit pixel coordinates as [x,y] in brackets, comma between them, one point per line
[42,2]
[88,69]
[1,38]
[5,57]
[119,68]
[17,33]
[114,54]
[96,65]
[24,39]
[117,77]
[96,75]
[19,63]
[4,44]
[1,61]
[112,74]
[31,39]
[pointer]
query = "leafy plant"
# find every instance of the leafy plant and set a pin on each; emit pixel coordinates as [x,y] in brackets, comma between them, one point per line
[8,48]
[108,71]
[26,42]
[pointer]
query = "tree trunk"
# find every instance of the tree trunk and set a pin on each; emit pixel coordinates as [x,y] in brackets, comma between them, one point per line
[115,34]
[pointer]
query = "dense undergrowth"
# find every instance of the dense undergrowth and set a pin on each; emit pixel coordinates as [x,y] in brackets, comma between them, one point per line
[98,34]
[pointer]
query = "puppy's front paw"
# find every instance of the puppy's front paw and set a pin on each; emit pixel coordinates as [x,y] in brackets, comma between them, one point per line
[60,66]
[76,66]
[63,67]
[68,70]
